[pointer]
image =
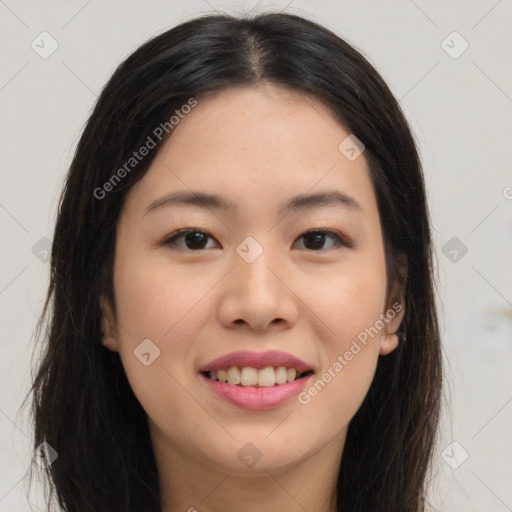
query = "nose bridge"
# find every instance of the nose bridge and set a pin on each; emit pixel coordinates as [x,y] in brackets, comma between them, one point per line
[256,292]
[253,261]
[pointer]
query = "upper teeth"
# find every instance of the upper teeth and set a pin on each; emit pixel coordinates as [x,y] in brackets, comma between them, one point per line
[249,376]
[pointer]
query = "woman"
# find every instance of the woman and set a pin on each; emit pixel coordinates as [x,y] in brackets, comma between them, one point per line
[242,308]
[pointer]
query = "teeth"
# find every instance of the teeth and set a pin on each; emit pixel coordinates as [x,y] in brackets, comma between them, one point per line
[233,375]
[248,376]
[266,377]
[281,375]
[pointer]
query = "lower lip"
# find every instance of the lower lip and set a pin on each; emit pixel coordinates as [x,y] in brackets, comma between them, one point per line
[257,399]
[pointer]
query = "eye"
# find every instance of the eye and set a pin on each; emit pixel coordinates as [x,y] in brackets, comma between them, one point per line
[315,239]
[196,239]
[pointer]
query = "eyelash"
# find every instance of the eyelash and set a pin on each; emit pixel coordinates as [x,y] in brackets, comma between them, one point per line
[340,240]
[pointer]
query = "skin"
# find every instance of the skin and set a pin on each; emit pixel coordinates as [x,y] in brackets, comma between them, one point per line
[256,146]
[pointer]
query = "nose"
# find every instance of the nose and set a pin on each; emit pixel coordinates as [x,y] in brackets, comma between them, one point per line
[258,295]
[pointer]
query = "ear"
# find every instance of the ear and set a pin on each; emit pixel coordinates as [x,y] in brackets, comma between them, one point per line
[109,338]
[395,312]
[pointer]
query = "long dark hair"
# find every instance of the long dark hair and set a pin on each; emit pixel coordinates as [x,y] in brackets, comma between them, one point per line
[83,406]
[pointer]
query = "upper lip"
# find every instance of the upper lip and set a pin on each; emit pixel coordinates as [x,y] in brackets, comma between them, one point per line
[256,360]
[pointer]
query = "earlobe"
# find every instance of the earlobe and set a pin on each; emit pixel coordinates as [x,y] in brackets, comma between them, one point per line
[388,343]
[108,343]
[390,337]
[108,332]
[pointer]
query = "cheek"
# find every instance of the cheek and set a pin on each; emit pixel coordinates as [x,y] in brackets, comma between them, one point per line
[155,302]
[162,307]
[334,395]
[350,299]
[155,298]
[350,304]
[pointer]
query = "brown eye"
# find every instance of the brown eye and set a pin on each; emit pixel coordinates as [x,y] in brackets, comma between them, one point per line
[194,239]
[197,240]
[315,239]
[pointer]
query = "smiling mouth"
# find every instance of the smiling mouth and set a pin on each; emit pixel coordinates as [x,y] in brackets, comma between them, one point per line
[248,376]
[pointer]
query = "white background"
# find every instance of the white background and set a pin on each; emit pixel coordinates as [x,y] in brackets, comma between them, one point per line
[460,110]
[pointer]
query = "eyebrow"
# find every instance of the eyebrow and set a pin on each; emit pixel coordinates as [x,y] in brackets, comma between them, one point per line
[216,202]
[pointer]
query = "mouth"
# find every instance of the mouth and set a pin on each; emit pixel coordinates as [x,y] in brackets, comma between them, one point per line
[248,376]
[256,380]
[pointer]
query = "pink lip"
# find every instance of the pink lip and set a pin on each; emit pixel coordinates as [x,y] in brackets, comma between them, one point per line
[254,398]
[256,360]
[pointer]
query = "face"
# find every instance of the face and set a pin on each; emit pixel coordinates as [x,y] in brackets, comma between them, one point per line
[287,257]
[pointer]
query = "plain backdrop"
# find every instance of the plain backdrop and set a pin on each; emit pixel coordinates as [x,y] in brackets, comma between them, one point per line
[449,64]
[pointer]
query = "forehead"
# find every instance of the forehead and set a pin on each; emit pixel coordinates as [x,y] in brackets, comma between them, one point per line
[266,120]
[257,145]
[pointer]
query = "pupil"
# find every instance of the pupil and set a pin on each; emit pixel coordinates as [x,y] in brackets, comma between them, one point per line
[318,237]
[194,239]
